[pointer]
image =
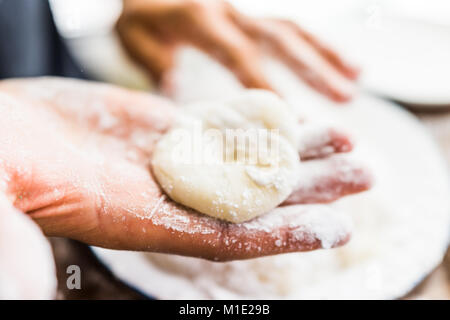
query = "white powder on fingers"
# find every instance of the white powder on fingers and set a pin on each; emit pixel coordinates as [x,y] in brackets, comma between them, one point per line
[312,136]
[319,221]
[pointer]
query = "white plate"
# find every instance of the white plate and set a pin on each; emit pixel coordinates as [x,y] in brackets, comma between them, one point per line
[405,60]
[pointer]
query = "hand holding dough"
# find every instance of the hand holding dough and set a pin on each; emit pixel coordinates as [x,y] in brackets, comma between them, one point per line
[226,178]
[84,175]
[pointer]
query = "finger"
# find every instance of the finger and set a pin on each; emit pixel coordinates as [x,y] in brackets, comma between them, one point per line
[155,56]
[27,269]
[310,66]
[206,29]
[138,216]
[318,141]
[287,229]
[234,50]
[328,179]
[301,57]
[347,69]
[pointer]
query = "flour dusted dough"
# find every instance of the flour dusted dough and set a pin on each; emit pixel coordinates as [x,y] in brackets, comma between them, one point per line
[250,109]
[234,179]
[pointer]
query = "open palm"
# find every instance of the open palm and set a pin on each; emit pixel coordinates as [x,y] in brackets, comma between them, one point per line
[75,157]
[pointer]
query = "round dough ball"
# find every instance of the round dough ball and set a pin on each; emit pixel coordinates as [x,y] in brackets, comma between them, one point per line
[251,109]
[225,162]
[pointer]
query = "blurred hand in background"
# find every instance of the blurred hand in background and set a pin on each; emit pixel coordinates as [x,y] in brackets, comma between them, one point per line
[151,30]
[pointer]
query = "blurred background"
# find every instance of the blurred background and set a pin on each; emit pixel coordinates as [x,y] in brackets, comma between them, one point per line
[402,46]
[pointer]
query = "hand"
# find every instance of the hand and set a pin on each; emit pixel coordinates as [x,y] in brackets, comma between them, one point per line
[150,31]
[75,158]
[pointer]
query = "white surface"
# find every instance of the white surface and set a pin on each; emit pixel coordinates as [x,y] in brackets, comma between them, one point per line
[78,18]
[401,225]
[27,267]
[402,59]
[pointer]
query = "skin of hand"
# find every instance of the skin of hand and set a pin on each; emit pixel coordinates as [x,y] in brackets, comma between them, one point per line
[74,156]
[151,30]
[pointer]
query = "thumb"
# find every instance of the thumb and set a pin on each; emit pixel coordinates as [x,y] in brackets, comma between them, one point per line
[27,270]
